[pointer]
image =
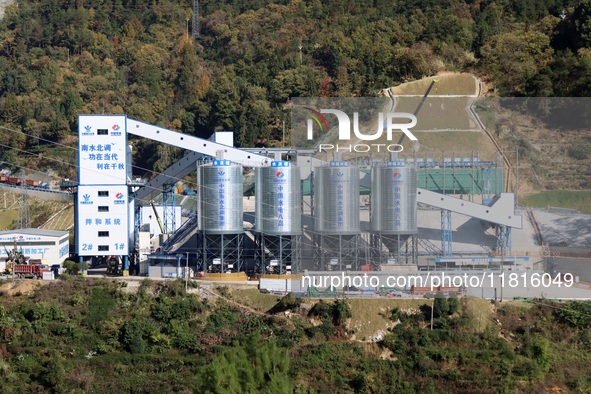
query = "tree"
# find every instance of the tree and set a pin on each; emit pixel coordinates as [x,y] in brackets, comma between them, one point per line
[582,20]
[440,306]
[512,58]
[252,366]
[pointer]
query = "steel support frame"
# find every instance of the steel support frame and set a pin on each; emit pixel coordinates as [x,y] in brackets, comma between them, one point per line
[503,235]
[404,248]
[228,248]
[168,208]
[446,233]
[286,249]
[343,247]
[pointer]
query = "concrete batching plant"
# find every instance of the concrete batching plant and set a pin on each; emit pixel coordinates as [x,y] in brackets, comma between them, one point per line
[288,222]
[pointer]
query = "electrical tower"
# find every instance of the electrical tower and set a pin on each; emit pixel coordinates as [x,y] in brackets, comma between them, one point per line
[196,26]
[24,213]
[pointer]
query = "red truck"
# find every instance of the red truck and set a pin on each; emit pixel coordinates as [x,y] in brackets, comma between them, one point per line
[27,271]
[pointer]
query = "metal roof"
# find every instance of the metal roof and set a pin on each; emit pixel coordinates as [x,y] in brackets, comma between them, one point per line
[35,231]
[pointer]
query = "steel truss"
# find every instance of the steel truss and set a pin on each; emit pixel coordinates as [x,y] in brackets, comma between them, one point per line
[337,252]
[220,252]
[398,249]
[278,254]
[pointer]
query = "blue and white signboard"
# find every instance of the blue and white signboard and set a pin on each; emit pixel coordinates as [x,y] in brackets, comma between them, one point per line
[102,149]
[103,221]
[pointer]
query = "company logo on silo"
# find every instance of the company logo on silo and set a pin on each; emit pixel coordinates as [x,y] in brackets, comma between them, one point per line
[86,200]
[397,179]
[221,177]
[339,177]
[116,130]
[280,178]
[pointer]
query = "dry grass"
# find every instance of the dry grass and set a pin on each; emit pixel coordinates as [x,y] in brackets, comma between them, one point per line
[254,299]
[454,84]
[40,210]
[373,315]
[440,113]
[479,311]
[448,142]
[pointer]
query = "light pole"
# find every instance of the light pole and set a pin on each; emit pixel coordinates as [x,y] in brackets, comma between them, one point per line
[187,271]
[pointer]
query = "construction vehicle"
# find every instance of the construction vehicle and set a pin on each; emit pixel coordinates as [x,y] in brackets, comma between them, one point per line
[31,271]
[13,258]
[113,266]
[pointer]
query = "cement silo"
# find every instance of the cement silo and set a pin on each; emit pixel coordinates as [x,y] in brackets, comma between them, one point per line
[393,213]
[394,200]
[220,215]
[220,198]
[336,216]
[278,217]
[336,200]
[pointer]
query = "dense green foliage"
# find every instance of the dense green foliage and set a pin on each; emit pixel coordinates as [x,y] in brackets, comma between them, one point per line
[59,59]
[92,336]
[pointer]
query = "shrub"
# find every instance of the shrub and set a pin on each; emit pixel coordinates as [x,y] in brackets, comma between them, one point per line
[100,303]
[71,267]
[285,303]
[579,151]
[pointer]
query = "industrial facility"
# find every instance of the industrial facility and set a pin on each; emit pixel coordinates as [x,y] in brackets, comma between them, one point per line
[305,213]
[37,245]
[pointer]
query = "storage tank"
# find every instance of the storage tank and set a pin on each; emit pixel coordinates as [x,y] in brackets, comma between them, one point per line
[394,199]
[336,199]
[220,198]
[278,199]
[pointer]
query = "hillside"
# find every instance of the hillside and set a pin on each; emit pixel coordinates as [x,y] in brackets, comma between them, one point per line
[101,336]
[60,59]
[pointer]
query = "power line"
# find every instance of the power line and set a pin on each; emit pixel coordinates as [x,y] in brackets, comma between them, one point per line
[76,150]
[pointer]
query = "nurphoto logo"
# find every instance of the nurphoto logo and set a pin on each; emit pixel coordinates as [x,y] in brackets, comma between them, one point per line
[328,123]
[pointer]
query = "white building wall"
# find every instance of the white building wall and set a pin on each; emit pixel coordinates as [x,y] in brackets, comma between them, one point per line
[53,249]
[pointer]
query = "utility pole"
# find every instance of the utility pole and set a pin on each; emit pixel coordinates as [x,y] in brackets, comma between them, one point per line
[196,25]
[432,308]
[300,47]
[24,213]
[187,273]
[187,27]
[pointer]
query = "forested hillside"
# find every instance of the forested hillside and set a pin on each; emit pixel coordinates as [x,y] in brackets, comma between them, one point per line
[82,336]
[62,58]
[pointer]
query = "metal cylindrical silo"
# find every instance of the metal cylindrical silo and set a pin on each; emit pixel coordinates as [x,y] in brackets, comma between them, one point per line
[278,200]
[336,200]
[394,200]
[220,198]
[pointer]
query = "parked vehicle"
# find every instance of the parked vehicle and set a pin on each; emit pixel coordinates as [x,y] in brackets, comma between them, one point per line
[34,271]
[57,270]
